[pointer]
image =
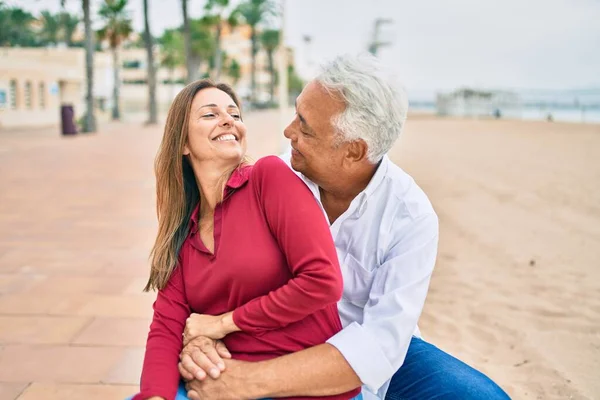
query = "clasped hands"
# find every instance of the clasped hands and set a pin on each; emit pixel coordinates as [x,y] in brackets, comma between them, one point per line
[205,355]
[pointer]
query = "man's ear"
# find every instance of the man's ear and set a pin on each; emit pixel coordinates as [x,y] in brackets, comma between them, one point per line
[356,150]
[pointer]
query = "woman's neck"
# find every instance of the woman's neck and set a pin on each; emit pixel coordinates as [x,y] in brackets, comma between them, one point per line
[210,178]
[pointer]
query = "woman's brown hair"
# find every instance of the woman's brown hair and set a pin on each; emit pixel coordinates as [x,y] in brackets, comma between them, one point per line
[177,192]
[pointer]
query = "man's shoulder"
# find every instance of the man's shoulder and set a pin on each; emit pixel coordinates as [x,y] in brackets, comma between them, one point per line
[410,199]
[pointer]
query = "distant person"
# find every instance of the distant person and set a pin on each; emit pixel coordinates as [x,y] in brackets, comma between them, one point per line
[549,117]
[243,247]
[386,234]
[497,113]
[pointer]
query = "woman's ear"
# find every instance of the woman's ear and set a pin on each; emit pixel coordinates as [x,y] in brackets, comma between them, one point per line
[186,150]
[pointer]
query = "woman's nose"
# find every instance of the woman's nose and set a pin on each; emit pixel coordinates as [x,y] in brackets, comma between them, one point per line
[227,120]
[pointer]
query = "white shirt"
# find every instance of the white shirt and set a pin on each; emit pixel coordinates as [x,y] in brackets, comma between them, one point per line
[387,245]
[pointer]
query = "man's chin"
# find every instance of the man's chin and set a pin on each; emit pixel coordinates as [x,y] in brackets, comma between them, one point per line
[297,165]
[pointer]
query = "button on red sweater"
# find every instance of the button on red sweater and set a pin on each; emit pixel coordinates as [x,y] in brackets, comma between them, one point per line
[274,265]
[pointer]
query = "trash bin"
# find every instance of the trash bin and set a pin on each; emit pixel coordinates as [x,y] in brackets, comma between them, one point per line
[67,119]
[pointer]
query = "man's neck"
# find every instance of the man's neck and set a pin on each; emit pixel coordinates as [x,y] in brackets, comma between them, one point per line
[336,198]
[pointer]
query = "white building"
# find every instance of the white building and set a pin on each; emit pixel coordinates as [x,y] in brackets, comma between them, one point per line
[478,103]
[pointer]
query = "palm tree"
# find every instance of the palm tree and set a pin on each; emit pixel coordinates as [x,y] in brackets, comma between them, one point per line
[217,17]
[255,12]
[69,25]
[187,39]
[202,45]
[117,27]
[270,41]
[89,124]
[15,27]
[234,71]
[51,27]
[152,114]
[171,53]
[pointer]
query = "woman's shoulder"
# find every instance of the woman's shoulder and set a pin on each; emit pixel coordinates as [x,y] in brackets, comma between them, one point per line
[271,164]
[272,169]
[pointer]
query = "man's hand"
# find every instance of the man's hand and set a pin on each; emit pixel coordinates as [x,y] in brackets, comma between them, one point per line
[230,386]
[210,326]
[203,356]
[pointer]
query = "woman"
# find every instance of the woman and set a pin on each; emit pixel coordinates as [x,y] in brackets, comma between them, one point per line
[245,246]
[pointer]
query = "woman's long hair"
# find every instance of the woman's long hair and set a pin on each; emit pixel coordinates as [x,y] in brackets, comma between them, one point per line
[177,192]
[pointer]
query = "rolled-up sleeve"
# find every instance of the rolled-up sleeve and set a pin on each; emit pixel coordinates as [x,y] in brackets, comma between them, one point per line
[376,348]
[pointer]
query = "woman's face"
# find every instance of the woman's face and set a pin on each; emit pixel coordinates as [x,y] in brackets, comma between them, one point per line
[216,132]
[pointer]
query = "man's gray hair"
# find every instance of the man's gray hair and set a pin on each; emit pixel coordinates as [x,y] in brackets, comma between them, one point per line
[376,103]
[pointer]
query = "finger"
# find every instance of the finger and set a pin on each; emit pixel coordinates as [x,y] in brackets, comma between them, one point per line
[213,356]
[189,365]
[185,374]
[222,350]
[193,395]
[205,363]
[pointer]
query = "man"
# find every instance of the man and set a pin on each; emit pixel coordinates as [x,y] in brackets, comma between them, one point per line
[386,234]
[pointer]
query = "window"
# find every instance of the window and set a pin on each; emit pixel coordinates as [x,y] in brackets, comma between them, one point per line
[132,64]
[13,94]
[28,94]
[42,97]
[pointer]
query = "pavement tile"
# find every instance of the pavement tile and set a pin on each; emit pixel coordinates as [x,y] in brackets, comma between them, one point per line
[128,369]
[104,331]
[132,306]
[10,391]
[82,284]
[57,363]
[40,329]
[57,391]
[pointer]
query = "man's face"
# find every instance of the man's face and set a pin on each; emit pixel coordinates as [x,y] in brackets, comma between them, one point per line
[315,152]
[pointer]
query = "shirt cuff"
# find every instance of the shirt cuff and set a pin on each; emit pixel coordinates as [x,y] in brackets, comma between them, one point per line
[363,354]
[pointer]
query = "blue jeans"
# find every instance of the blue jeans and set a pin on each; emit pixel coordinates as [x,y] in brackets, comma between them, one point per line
[430,373]
[181,393]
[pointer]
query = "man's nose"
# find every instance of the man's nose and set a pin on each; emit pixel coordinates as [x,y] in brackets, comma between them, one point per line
[288,132]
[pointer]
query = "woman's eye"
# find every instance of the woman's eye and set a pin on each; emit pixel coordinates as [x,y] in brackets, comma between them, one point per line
[209,115]
[236,116]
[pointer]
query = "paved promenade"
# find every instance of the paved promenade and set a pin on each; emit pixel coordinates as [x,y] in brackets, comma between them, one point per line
[77,221]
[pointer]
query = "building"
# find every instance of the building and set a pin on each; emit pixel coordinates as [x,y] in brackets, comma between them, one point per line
[36,82]
[478,103]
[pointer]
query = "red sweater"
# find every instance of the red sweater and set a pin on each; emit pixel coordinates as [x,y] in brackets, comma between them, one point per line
[274,264]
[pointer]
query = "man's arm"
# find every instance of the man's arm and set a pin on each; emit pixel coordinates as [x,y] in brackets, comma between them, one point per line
[318,371]
[372,350]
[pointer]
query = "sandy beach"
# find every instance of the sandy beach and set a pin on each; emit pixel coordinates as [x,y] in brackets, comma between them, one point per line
[515,293]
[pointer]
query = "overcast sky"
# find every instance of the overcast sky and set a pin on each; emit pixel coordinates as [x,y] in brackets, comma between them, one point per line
[436,44]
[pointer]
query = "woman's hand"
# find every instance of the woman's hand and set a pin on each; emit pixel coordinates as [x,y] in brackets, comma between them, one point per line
[210,326]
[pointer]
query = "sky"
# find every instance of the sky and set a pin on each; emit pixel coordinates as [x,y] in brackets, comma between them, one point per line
[435,45]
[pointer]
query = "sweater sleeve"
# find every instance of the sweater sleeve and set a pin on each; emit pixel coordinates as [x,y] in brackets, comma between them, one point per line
[160,376]
[298,224]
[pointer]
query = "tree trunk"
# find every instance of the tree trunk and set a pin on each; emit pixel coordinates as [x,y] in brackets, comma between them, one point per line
[254,40]
[218,53]
[89,121]
[172,80]
[187,39]
[115,110]
[152,112]
[272,73]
